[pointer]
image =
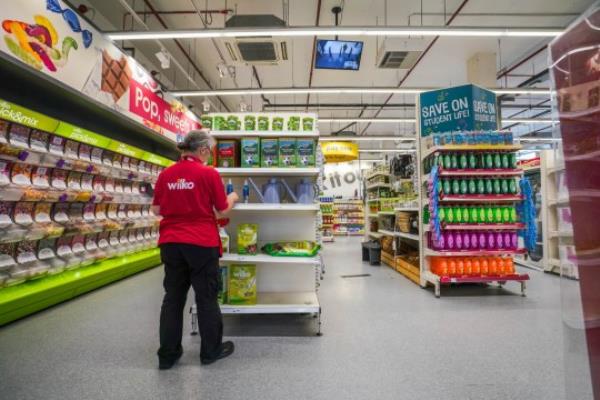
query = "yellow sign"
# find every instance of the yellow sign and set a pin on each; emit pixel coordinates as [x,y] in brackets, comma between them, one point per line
[335,152]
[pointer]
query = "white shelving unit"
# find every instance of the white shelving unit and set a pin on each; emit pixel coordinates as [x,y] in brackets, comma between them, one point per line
[285,285]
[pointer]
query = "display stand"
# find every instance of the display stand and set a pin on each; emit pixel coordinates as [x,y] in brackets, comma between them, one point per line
[327,219]
[559,249]
[349,217]
[284,285]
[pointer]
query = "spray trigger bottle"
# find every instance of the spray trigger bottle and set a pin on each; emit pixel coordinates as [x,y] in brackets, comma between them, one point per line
[229,188]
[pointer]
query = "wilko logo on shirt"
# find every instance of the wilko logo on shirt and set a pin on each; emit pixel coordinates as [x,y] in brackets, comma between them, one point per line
[181,184]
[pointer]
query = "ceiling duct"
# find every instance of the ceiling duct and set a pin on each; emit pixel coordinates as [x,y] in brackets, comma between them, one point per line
[400,53]
[258,50]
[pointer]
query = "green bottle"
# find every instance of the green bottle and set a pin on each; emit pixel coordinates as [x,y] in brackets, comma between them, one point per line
[504,186]
[480,186]
[513,160]
[505,161]
[481,161]
[447,189]
[472,161]
[458,215]
[506,214]
[489,215]
[464,186]
[496,186]
[466,216]
[474,215]
[450,215]
[497,214]
[513,214]
[512,186]
[455,186]
[442,214]
[497,160]
[462,161]
[454,161]
[482,215]
[447,161]
[489,186]
[489,161]
[472,186]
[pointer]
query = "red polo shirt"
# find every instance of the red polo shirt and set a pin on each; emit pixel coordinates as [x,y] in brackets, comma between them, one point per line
[188,192]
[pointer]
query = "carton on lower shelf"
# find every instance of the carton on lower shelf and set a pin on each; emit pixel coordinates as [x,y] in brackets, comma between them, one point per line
[269,152]
[287,152]
[250,152]
[227,153]
[306,152]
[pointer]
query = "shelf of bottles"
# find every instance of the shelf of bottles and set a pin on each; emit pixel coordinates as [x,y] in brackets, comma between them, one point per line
[327,218]
[349,217]
[471,192]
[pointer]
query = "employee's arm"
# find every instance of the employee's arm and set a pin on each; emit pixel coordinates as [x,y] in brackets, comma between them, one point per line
[155,210]
[232,198]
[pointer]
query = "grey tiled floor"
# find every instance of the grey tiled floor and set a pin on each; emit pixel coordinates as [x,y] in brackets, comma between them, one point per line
[384,338]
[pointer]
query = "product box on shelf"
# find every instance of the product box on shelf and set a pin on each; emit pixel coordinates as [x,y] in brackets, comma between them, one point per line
[227,153]
[277,123]
[250,152]
[247,238]
[206,121]
[293,123]
[249,122]
[223,284]
[263,123]
[287,152]
[269,152]
[306,152]
[242,284]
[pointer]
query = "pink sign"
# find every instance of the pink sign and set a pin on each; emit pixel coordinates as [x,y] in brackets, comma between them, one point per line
[156,111]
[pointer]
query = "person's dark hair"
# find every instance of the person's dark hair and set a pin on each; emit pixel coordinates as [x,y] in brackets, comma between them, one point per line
[196,139]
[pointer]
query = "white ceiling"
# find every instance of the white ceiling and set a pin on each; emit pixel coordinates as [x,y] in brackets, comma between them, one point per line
[443,65]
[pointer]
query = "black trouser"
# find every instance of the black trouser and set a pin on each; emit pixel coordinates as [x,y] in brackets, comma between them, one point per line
[187,264]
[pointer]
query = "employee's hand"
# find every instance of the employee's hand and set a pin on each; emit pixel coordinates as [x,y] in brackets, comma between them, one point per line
[233,197]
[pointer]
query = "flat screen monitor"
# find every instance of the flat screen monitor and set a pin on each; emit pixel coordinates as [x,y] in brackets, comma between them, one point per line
[338,54]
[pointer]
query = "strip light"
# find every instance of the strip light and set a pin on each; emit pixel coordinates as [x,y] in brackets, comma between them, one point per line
[538,139]
[413,120]
[387,151]
[366,138]
[341,90]
[339,31]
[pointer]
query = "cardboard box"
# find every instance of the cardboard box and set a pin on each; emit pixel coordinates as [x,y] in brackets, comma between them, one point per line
[250,152]
[269,152]
[306,152]
[287,152]
[227,153]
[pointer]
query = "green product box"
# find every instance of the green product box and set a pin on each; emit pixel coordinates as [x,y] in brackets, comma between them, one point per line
[223,284]
[277,124]
[306,152]
[250,123]
[219,123]
[227,153]
[293,123]
[287,152]
[308,124]
[269,152]
[234,123]
[206,121]
[263,123]
[247,238]
[242,284]
[250,152]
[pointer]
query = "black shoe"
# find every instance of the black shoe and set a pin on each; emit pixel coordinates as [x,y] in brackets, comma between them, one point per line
[168,363]
[226,350]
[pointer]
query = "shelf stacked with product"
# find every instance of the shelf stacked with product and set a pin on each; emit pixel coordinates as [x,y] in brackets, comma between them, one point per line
[327,219]
[471,192]
[349,217]
[271,263]
[70,199]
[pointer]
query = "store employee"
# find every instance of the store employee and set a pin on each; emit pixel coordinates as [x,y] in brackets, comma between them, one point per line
[187,195]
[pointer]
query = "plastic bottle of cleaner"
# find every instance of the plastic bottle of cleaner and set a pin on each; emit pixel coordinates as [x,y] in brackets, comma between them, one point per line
[229,188]
[246,191]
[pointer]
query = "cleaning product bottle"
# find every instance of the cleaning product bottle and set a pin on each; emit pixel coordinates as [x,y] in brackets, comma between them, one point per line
[229,188]
[246,191]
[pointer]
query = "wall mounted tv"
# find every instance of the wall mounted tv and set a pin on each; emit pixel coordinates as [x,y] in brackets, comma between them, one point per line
[338,54]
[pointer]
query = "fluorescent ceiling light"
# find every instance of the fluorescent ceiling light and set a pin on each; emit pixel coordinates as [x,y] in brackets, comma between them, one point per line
[370,120]
[366,138]
[413,120]
[454,31]
[340,90]
[387,151]
[539,139]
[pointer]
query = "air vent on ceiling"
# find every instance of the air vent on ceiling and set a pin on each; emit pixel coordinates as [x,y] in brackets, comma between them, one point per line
[399,53]
[259,50]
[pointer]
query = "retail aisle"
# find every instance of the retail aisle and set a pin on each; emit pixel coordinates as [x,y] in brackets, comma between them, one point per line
[384,338]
